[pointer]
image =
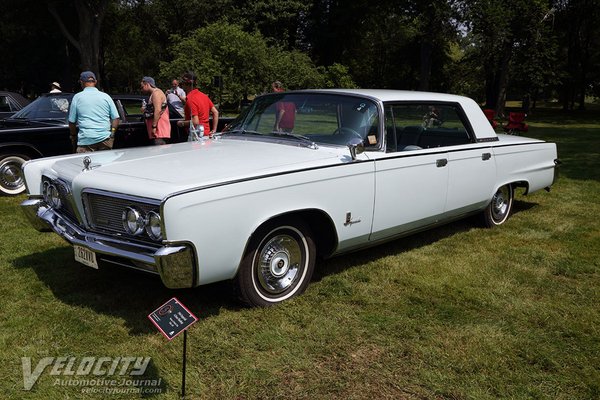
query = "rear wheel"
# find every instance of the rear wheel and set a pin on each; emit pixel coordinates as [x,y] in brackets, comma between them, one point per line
[278,264]
[11,176]
[498,211]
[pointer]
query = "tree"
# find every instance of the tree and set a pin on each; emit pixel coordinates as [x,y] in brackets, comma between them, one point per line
[434,23]
[246,63]
[498,29]
[90,15]
[578,31]
[33,52]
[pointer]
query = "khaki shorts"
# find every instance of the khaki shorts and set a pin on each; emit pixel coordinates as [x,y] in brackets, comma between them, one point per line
[104,145]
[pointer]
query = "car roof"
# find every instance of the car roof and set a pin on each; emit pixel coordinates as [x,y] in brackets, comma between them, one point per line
[391,95]
[17,97]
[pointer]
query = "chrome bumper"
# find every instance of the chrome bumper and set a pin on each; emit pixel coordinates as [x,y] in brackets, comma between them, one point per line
[175,263]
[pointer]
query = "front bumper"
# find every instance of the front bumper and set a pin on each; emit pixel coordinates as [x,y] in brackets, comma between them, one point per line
[174,262]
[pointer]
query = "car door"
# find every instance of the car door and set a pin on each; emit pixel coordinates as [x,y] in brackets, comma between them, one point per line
[472,175]
[471,167]
[411,180]
[132,131]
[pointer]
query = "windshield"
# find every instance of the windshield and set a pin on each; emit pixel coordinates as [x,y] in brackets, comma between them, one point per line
[53,106]
[318,117]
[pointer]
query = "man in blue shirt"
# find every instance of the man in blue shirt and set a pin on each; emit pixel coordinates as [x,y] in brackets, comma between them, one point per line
[96,115]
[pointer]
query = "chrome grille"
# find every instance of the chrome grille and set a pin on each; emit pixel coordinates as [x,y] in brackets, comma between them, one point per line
[105,211]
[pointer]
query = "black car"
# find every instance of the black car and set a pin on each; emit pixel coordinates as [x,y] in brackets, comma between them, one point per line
[41,129]
[10,103]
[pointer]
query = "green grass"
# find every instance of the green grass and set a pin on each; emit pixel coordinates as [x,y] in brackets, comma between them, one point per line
[458,312]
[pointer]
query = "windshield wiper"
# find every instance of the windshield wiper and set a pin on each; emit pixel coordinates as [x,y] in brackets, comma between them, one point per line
[310,143]
[239,131]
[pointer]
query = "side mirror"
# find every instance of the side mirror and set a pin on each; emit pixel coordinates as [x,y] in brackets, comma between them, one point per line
[356,147]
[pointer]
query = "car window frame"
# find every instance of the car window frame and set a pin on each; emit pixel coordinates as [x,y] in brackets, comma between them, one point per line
[243,123]
[460,112]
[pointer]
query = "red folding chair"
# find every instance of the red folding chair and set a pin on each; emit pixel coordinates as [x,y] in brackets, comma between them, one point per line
[516,123]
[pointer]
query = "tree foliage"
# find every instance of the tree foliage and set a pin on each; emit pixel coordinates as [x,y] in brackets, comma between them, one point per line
[245,62]
[488,49]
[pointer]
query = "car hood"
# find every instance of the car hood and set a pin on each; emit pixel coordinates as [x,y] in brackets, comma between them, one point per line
[157,171]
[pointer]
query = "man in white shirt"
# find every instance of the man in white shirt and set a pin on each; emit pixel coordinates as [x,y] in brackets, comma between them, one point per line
[176,96]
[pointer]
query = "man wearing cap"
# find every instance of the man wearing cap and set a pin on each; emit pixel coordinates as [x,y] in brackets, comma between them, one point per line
[95,113]
[156,112]
[198,106]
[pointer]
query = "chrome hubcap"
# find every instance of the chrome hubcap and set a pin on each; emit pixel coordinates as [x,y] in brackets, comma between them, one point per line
[279,263]
[500,203]
[10,174]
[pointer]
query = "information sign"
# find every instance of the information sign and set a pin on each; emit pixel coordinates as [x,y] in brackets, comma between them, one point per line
[172,318]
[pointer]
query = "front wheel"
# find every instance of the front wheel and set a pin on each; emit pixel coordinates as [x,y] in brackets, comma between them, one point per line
[11,177]
[498,211]
[278,264]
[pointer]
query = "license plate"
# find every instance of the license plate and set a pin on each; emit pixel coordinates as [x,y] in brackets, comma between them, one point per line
[85,256]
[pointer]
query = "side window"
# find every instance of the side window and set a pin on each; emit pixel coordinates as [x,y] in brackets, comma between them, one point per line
[4,106]
[132,107]
[58,106]
[425,126]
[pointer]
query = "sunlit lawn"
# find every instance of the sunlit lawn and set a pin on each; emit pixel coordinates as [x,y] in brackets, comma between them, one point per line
[459,312]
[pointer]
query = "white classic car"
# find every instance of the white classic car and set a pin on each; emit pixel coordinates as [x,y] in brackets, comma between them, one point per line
[300,175]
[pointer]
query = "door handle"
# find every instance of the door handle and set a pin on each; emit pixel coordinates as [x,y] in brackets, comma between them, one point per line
[442,162]
[486,156]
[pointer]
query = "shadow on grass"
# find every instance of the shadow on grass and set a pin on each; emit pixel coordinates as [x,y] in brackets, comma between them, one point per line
[119,291]
[132,295]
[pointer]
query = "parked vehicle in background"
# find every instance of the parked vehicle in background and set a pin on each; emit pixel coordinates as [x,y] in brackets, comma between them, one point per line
[259,206]
[10,103]
[41,130]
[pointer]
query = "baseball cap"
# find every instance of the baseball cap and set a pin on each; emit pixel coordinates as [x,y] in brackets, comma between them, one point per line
[87,76]
[149,80]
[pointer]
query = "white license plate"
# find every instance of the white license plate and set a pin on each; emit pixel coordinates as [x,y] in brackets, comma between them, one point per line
[85,256]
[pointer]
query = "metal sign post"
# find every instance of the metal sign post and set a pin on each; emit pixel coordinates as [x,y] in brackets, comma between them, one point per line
[171,319]
[183,362]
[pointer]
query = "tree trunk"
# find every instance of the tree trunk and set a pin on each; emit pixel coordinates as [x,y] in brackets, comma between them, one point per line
[502,78]
[426,62]
[91,13]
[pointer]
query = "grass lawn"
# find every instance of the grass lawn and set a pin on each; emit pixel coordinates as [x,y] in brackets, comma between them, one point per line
[459,312]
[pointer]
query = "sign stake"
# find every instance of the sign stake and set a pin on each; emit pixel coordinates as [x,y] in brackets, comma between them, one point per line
[183,364]
[171,319]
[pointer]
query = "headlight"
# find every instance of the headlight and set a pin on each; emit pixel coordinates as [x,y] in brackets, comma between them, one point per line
[153,228]
[133,221]
[54,196]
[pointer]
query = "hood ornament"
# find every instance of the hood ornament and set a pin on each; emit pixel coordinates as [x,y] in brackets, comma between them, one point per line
[86,163]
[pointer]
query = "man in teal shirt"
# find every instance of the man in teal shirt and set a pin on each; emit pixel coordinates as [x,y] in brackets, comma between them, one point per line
[96,115]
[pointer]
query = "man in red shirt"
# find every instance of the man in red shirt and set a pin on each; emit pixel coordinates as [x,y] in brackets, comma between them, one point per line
[285,111]
[198,106]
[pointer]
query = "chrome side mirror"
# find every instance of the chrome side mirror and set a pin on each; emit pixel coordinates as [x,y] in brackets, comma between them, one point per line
[356,147]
